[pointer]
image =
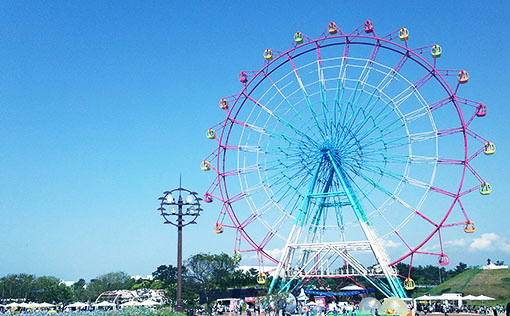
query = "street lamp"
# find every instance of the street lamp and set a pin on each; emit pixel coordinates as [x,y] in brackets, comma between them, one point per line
[179,212]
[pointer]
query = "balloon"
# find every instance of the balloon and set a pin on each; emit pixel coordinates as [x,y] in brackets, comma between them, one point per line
[368,305]
[394,306]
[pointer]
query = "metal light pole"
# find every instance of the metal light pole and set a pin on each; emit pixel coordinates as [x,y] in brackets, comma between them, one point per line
[172,211]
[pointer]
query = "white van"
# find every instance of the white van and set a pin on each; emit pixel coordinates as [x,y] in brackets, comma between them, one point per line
[225,305]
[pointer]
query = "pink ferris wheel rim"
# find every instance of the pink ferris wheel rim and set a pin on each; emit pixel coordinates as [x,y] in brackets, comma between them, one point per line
[283,58]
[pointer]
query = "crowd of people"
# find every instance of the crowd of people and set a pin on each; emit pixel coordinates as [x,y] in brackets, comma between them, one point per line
[446,309]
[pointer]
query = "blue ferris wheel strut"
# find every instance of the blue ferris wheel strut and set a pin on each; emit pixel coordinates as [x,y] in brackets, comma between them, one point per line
[395,287]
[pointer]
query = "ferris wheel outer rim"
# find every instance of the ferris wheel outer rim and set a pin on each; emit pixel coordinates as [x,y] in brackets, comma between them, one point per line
[427,66]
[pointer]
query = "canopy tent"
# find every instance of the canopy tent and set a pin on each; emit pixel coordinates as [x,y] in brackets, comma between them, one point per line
[149,302]
[104,304]
[442,297]
[469,298]
[13,304]
[352,287]
[484,298]
[77,305]
[131,303]
[46,305]
[302,296]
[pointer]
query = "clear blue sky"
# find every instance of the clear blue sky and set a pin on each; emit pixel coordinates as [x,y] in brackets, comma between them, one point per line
[104,104]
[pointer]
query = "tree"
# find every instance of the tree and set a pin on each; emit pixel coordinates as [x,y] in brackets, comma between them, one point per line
[166,274]
[157,285]
[210,272]
[50,289]
[79,290]
[145,284]
[461,267]
[17,286]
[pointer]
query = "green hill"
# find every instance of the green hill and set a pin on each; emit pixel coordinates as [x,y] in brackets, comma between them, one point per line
[493,283]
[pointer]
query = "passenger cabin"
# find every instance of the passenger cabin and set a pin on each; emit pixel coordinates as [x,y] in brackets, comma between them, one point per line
[205,165]
[469,227]
[481,110]
[208,197]
[218,228]
[409,284]
[298,37]
[243,77]
[436,51]
[332,28]
[403,34]
[268,54]
[443,260]
[261,278]
[490,148]
[485,189]
[463,76]
[368,26]
[223,104]
[211,134]
[237,256]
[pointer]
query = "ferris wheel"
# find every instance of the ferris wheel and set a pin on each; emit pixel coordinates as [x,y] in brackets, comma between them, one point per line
[342,150]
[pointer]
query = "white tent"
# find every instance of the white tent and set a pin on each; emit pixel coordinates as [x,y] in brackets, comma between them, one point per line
[104,304]
[78,305]
[470,298]
[13,304]
[484,298]
[352,287]
[46,305]
[33,305]
[302,296]
[131,303]
[149,303]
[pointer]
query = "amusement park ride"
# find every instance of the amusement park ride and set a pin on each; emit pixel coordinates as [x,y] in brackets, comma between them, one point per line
[340,149]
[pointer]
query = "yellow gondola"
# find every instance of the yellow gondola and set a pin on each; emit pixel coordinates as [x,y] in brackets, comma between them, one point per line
[403,34]
[261,278]
[463,76]
[489,149]
[436,51]
[409,284]
[298,37]
[237,255]
[485,189]
[268,54]
[205,165]
[332,28]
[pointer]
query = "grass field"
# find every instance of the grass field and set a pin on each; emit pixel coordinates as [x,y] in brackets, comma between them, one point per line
[493,283]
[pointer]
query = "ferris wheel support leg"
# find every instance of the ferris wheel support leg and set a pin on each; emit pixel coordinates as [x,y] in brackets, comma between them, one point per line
[379,252]
[296,228]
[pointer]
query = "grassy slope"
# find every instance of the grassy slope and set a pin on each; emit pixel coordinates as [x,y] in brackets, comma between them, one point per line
[493,283]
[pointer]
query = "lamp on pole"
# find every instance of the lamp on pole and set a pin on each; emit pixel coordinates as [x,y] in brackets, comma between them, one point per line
[180,212]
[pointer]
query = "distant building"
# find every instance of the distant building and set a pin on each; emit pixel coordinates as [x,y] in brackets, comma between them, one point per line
[140,277]
[492,266]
